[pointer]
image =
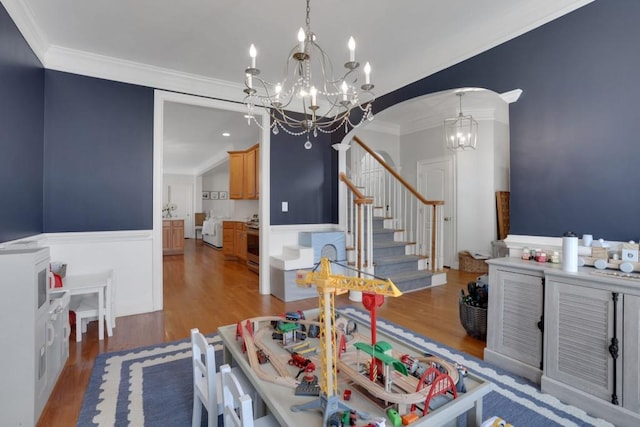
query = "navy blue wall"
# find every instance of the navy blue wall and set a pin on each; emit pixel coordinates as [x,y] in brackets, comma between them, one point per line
[575,132]
[307,179]
[21,131]
[98,162]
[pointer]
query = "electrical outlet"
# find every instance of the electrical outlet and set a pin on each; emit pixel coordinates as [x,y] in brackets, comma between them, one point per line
[285,206]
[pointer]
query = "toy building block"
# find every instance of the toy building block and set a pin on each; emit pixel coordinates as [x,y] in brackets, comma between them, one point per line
[394,417]
[409,418]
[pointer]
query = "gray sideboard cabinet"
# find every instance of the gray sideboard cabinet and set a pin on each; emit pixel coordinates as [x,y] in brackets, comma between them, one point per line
[515,316]
[592,342]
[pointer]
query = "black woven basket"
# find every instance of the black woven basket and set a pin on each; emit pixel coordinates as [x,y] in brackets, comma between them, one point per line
[474,320]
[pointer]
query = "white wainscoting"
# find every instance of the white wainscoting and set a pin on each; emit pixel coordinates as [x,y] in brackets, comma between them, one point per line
[128,253]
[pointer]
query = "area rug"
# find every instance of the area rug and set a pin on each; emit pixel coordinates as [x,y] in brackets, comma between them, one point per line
[152,386]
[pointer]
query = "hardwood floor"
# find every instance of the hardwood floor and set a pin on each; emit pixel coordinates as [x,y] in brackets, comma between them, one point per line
[203,290]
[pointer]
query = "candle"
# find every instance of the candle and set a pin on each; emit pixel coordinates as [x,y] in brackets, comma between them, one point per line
[301,38]
[367,73]
[278,90]
[249,81]
[344,88]
[252,54]
[352,49]
[314,92]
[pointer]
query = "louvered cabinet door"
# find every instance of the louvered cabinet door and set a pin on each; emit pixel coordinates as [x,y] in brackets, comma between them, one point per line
[580,326]
[631,355]
[519,308]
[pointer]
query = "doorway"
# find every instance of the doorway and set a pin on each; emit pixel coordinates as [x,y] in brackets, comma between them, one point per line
[182,196]
[161,99]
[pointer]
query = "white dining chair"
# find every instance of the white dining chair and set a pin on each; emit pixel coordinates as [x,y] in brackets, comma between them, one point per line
[238,406]
[207,385]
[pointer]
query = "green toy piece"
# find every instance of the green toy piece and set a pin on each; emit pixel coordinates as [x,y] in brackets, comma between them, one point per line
[394,417]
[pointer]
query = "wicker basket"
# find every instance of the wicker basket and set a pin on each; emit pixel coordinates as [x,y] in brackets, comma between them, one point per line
[474,320]
[470,264]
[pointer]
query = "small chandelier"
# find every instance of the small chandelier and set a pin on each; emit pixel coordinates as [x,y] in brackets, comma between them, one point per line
[461,132]
[309,87]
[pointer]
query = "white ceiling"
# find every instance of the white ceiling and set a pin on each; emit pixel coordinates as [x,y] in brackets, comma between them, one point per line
[193,140]
[208,41]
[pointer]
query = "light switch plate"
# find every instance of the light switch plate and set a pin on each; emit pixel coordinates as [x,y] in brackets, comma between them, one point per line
[285,206]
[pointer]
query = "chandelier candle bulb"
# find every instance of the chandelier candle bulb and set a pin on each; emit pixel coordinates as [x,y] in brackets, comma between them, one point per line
[314,93]
[367,73]
[345,88]
[276,103]
[301,37]
[252,54]
[352,49]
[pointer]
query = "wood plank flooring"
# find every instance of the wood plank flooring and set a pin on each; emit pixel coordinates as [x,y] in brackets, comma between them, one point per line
[203,290]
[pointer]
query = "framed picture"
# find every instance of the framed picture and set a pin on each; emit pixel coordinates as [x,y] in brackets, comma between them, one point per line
[222,195]
[205,195]
[214,195]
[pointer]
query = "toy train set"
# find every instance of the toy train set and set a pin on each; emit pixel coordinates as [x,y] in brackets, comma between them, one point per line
[405,386]
[291,331]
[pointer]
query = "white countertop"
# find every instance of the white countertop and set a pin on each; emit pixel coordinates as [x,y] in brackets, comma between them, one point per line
[584,274]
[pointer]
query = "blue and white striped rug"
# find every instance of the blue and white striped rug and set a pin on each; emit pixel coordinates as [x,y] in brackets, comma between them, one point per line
[152,386]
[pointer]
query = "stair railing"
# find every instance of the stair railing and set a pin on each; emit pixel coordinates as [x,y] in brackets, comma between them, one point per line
[420,221]
[359,231]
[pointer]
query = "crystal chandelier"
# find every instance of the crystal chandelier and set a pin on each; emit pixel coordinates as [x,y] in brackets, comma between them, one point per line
[322,102]
[461,132]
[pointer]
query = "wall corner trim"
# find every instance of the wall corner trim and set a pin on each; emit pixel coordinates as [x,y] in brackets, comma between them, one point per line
[511,96]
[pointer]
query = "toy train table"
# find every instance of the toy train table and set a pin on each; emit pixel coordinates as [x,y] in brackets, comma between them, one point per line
[377,384]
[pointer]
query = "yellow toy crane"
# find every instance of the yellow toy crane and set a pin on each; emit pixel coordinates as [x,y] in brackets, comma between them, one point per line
[326,284]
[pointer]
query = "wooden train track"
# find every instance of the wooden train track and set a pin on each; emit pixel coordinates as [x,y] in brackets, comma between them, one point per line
[406,384]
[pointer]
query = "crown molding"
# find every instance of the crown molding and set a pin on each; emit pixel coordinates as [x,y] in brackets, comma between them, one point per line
[59,58]
[22,16]
[105,67]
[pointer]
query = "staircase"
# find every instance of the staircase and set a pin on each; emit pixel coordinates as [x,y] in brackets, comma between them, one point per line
[394,259]
[391,230]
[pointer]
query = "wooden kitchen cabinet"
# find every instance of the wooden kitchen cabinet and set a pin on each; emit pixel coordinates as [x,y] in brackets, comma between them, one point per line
[172,236]
[241,241]
[244,172]
[251,173]
[236,175]
[234,240]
